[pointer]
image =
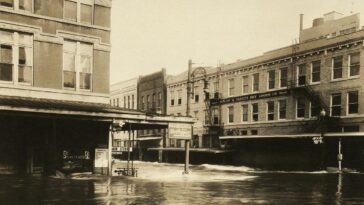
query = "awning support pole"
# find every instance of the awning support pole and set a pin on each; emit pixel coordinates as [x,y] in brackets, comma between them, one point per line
[110,150]
[339,156]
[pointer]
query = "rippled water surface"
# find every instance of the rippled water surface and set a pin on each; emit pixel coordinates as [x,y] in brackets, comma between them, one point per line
[207,184]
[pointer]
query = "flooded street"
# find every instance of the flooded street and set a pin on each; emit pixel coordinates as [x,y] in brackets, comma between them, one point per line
[207,184]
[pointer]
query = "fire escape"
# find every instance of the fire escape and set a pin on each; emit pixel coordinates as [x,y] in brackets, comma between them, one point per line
[299,87]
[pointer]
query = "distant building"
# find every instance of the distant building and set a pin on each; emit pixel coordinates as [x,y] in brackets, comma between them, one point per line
[125,94]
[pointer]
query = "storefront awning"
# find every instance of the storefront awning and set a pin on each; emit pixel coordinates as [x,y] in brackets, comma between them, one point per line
[148,138]
[304,135]
[181,149]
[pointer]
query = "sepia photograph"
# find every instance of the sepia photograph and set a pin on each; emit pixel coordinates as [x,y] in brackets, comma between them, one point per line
[181,102]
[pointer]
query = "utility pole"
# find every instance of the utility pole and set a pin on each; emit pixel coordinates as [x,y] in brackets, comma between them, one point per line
[189,91]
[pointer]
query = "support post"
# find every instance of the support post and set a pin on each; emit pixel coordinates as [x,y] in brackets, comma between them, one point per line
[187,142]
[110,150]
[187,157]
[339,156]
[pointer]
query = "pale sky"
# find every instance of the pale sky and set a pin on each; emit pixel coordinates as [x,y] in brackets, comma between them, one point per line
[147,35]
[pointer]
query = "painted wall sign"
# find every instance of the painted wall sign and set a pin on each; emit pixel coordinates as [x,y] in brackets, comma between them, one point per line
[250,97]
[180,131]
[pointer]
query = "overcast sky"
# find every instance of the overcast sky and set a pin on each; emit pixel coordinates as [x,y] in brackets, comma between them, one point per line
[148,35]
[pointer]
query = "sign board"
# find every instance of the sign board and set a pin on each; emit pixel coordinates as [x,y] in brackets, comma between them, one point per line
[180,131]
[101,157]
[257,96]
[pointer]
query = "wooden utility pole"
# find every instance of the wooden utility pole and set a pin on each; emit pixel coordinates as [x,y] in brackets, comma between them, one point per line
[189,91]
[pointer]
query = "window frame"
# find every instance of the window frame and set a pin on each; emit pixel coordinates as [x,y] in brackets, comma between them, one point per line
[280,77]
[355,103]
[243,113]
[280,109]
[255,84]
[253,114]
[336,106]
[78,10]
[245,82]
[297,108]
[270,112]
[350,65]
[333,69]
[231,87]
[299,75]
[230,115]
[312,72]
[16,7]
[269,79]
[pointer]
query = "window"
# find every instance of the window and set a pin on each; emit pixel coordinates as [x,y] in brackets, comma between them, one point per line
[215,114]
[77,65]
[26,5]
[142,107]
[283,74]
[256,82]
[153,101]
[230,87]
[16,67]
[148,102]
[124,102]
[354,64]
[254,132]
[231,114]
[78,10]
[336,104]
[216,87]
[315,71]
[282,109]
[271,79]
[270,110]
[117,102]
[159,100]
[128,101]
[132,102]
[172,98]
[244,111]
[245,84]
[353,102]
[197,98]
[337,67]
[314,109]
[255,112]
[179,97]
[300,112]
[301,74]
[7,3]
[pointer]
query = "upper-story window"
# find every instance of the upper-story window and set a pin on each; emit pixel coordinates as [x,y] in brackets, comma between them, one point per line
[270,110]
[271,79]
[282,109]
[315,71]
[26,5]
[78,10]
[354,64]
[215,114]
[142,106]
[231,87]
[179,96]
[124,102]
[337,67]
[283,74]
[245,84]
[159,104]
[215,87]
[301,74]
[77,65]
[16,57]
[148,101]
[314,109]
[244,111]
[128,101]
[230,114]
[300,108]
[172,98]
[255,112]
[256,82]
[353,102]
[132,102]
[336,104]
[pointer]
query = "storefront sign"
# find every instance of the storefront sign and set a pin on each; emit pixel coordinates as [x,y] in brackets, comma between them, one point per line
[101,157]
[250,97]
[180,131]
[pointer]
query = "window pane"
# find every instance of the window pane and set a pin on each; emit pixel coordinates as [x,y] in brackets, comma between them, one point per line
[272,76]
[25,5]
[69,79]
[316,67]
[25,74]
[86,13]
[70,10]
[6,72]
[8,3]
[282,109]
[69,61]
[22,56]
[256,82]
[283,77]
[353,102]
[85,81]
[354,64]
[6,54]
[337,67]
[86,64]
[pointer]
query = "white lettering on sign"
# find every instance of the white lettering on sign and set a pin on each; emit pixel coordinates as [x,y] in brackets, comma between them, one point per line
[180,131]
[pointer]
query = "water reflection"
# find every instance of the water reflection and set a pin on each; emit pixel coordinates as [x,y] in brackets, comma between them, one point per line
[208,184]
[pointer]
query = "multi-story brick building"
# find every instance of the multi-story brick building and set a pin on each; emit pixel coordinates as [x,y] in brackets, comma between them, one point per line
[54,73]
[124,94]
[274,108]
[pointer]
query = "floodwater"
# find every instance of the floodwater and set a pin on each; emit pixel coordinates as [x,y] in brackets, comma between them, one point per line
[206,184]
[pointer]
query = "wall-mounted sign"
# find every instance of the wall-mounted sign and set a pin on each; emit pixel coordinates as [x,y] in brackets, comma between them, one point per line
[250,97]
[180,131]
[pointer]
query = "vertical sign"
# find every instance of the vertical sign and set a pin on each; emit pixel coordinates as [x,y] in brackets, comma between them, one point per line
[101,157]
